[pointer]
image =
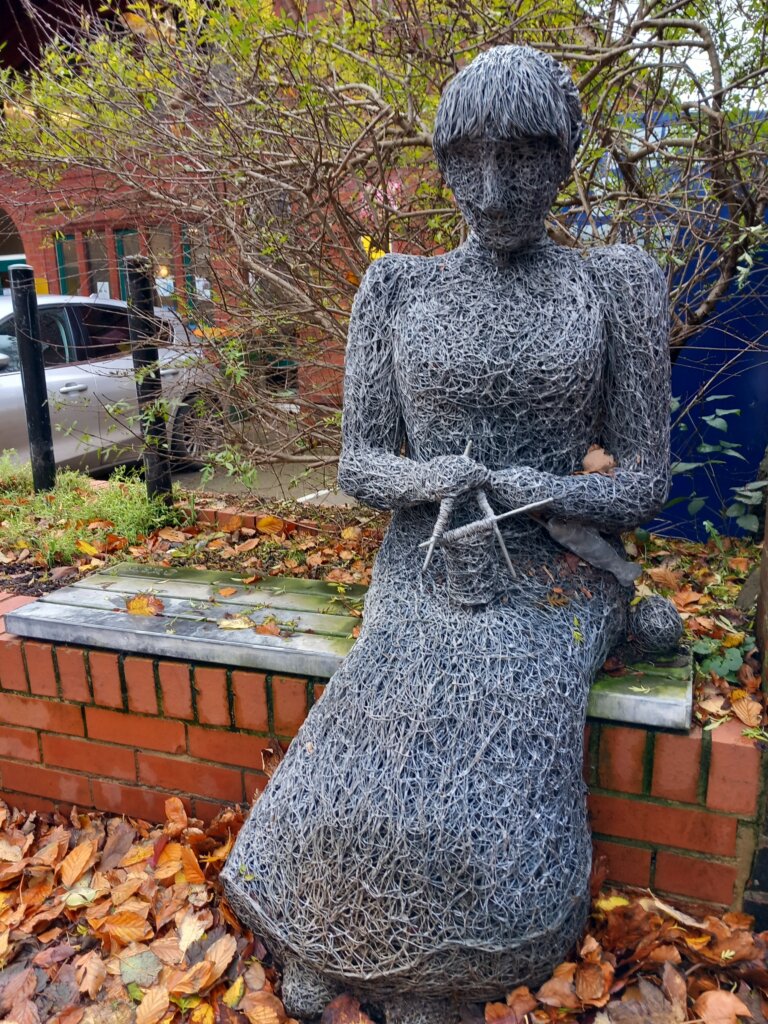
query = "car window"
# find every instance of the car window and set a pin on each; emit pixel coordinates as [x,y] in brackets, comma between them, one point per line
[106,331]
[8,347]
[54,334]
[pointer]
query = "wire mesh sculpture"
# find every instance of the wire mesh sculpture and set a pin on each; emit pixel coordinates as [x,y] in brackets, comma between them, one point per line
[425,840]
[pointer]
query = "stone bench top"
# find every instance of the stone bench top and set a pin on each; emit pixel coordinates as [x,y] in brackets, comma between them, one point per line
[302,627]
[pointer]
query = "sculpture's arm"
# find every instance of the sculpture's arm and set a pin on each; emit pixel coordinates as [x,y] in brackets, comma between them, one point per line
[636,402]
[372,468]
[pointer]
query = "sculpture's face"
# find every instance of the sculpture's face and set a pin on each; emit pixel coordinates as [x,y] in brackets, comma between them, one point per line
[505,188]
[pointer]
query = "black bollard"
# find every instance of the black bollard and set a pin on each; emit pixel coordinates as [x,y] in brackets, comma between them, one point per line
[33,377]
[143,330]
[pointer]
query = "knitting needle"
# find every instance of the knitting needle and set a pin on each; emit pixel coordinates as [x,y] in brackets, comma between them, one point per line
[446,508]
[481,525]
[485,505]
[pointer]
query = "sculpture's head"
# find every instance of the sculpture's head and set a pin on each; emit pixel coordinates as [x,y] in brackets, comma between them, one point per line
[506,130]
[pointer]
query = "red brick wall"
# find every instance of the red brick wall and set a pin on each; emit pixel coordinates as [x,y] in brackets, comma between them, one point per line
[674,812]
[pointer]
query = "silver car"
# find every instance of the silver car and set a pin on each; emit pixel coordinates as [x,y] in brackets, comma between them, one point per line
[92,388]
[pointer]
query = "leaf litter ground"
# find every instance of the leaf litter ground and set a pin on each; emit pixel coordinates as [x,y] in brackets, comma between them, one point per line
[106,919]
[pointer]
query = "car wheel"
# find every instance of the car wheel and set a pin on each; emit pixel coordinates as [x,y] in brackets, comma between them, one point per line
[191,440]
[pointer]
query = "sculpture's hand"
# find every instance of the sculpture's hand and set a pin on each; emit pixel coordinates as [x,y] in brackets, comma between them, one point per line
[448,476]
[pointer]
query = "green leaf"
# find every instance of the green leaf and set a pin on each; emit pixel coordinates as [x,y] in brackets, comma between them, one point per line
[736,509]
[684,467]
[749,522]
[717,422]
[696,506]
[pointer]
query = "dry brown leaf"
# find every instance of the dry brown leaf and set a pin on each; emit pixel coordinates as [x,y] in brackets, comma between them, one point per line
[227,591]
[91,973]
[559,991]
[686,599]
[175,536]
[720,1007]
[126,926]
[247,545]
[593,983]
[268,628]
[749,711]
[77,861]
[190,928]
[219,955]
[144,604]
[192,870]
[521,1001]
[344,1009]
[175,816]
[500,1013]
[665,577]
[192,981]
[597,460]
[255,977]
[264,1008]
[236,622]
[153,1006]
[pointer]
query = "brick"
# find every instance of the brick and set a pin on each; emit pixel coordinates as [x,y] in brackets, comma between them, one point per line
[692,876]
[628,865]
[40,670]
[734,771]
[207,809]
[231,519]
[663,826]
[74,682]
[135,730]
[255,784]
[28,803]
[289,697]
[226,747]
[140,683]
[205,516]
[621,760]
[19,743]
[676,766]
[190,776]
[90,757]
[176,689]
[12,673]
[37,713]
[250,699]
[47,782]
[135,801]
[211,696]
[105,679]
[319,689]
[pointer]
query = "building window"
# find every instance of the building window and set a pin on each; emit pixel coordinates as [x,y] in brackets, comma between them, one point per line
[126,244]
[97,264]
[66,261]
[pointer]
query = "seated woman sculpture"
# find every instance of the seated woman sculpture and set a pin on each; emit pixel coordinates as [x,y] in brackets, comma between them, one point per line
[425,840]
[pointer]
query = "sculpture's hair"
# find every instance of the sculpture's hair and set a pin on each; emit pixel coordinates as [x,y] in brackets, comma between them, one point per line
[509,92]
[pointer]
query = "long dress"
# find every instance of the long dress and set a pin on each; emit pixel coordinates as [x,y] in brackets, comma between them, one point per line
[427,831]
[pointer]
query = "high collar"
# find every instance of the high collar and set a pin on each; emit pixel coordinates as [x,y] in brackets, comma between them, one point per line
[502,258]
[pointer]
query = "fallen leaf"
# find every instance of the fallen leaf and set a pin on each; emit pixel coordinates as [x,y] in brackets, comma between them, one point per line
[234,993]
[720,1007]
[77,862]
[141,969]
[219,954]
[559,991]
[144,604]
[749,711]
[255,977]
[153,1005]
[202,1014]
[268,628]
[236,622]
[91,973]
[175,816]
[126,926]
[686,599]
[270,524]
[86,547]
[344,1009]
[597,460]
[227,591]
[192,870]
[191,981]
[175,536]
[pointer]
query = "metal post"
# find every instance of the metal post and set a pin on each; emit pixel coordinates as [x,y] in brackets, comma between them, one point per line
[143,329]
[33,377]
